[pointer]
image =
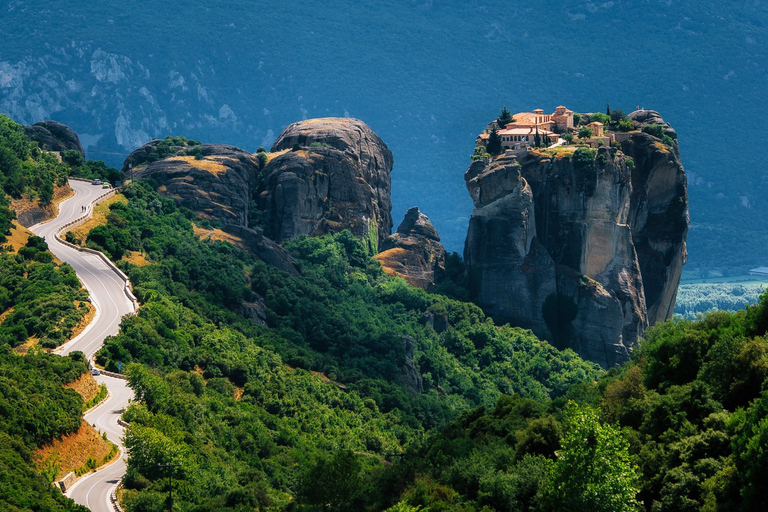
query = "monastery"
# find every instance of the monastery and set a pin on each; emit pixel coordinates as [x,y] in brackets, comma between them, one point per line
[521,133]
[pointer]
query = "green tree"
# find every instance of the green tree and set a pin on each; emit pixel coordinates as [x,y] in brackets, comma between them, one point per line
[625,125]
[480,153]
[46,193]
[617,115]
[593,471]
[494,143]
[585,132]
[568,137]
[332,481]
[505,118]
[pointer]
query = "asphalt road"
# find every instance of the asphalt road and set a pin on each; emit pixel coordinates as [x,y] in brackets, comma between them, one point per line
[107,294]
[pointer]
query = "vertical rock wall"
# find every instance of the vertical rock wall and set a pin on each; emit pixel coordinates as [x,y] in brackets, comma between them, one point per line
[585,249]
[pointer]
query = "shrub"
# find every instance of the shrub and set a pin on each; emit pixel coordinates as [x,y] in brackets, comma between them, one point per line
[625,125]
[654,129]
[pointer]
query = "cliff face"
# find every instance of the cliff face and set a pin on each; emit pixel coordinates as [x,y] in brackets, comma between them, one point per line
[659,213]
[414,252]
[585,249]
[334,174]
[216,187]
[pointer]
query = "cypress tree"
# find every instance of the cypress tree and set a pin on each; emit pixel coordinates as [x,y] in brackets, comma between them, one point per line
[494,143]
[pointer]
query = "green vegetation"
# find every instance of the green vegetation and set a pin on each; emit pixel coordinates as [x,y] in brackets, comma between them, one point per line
[41,299]
[173,145]
[657,131]
[584,160]
[480,153]
[585,132]
[25,169]
[35,410]
[236,402]
[680,427]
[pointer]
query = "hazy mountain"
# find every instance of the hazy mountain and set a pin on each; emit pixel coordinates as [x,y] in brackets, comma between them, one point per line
[425,75]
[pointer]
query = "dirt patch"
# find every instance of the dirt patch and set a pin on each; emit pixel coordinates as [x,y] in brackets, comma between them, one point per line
[99,218]
[272,156]
[85,385]
[392,261]
[18,237]
[75,452]
[136,258]
[4,315]
[87,319]
[217,234]
[210,164]
[62,193]
[27,345]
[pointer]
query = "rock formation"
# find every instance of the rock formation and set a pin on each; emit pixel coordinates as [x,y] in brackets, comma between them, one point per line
[216,185]
[414,252]
[586,250]
[329,175]
[53,136]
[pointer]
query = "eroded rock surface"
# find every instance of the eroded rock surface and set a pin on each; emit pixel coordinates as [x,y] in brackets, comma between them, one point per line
[585,251]
[54,136]
[331,174]
[216,186]
[414,251]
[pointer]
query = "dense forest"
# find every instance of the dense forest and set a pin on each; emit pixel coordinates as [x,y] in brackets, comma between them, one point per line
[346,362]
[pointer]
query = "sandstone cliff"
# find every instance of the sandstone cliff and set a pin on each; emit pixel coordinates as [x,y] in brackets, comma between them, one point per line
[414,252]
[329,175]
[53,136]
[583,248]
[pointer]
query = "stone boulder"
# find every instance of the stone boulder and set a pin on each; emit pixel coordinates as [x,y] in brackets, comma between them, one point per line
[414,252]
[54,136]
[328,175]
[585,250]
[216,186]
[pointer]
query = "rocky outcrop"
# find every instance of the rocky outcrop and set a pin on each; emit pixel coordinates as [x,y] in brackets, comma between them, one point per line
[54,136]
[585,250]
[410,378]
[329,175]
[216,184]
[414,252]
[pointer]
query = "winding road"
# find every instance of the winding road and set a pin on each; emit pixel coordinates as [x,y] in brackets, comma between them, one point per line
[107,291]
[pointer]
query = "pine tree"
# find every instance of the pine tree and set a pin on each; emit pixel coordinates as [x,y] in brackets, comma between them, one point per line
[505,118]
[537,139]
[608,110]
